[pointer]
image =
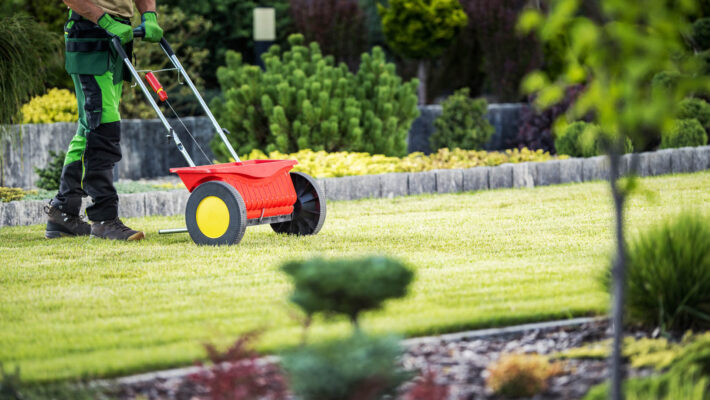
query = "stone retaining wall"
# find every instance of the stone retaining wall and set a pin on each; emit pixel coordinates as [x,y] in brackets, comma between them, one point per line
[523,175]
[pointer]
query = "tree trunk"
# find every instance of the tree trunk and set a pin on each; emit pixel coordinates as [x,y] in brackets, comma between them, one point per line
[421,75]
[618,276]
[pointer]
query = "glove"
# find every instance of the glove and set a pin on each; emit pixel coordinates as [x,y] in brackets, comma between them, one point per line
[115,28]
[149,23]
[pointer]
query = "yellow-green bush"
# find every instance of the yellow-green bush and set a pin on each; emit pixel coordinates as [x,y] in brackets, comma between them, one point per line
[521,375]
[8,194]
[58,105]
[326,165]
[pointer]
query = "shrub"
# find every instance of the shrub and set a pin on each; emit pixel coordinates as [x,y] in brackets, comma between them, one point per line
[699,109]
[237,373]
[50,175]
[665,80]
[668,275]
[346,286]
[303,101]
[535,130]
[669,386]
[337,25]
[462,123]
[8,194]
[360,367]
[495,23]
[684,133]
[520,375]
[57,105]
[181,29]
[701,34]
[582,139]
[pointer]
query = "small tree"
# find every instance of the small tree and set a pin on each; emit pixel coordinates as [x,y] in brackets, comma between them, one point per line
[618,57]
[346,286]
[422,30]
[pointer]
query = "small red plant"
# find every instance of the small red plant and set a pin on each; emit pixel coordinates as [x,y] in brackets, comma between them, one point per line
[239,374]
[426,388]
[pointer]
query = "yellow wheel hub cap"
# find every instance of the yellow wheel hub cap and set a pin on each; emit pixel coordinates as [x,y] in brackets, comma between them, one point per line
[212,217]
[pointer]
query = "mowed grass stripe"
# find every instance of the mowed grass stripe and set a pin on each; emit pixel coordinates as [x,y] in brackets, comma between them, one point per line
[86,308]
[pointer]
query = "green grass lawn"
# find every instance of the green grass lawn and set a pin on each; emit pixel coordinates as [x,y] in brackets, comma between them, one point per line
[84,308]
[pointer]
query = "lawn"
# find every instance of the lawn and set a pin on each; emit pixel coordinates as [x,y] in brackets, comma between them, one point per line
[84,308]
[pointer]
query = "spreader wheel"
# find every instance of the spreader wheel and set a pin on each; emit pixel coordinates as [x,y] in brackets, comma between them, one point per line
[215,214]
[309,209]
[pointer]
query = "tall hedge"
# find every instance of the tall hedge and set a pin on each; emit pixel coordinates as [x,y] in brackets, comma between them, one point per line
[304,101]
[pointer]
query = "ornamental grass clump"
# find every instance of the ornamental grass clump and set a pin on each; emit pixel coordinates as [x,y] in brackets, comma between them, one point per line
[669,275]
[520,375]
[345,286]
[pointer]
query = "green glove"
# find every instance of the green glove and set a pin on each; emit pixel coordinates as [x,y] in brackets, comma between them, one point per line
[149,23]
[115,28]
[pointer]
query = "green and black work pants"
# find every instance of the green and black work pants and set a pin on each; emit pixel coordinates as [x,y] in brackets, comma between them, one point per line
[98,75]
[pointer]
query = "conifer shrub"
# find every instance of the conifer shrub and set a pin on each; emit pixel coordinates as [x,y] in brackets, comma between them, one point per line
[684,133]
[462,123]
[699,109]
[668,275]
[346,286]
[583,139]
[359,367]
[8,194]
[304,101]
[50,175]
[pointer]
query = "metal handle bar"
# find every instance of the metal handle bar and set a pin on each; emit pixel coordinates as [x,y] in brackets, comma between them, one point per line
[140,32]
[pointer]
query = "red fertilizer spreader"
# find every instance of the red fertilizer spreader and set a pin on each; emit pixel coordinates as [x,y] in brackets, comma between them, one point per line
[226,198]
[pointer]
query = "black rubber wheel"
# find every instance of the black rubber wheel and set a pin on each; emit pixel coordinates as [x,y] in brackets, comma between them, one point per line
[309,209]
[215,214]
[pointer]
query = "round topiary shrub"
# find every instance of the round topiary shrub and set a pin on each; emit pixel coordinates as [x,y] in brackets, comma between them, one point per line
[701,33]
[583,139]
[684,133]
[462,123]
[695,108]
[668,275]
[347,286]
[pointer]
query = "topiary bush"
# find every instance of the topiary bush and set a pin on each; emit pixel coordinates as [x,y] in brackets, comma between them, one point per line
[684,133]
[346,286]
[50,175]
[302,100]
[701,33]
[583,139]
[668,275]
[699,109]
[462,123]
[360,367]
[57,105]
[520,375]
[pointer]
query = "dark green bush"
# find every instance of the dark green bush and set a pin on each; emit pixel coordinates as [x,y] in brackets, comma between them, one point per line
[665,80]
[359,367]
[701,34]
[462,123]
[582,139]
[684,133]
[668,275]
[346,286]
[699,109]
[303,101]
[50,175]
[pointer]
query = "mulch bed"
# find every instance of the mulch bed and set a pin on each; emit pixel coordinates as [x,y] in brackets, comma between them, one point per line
[460,364]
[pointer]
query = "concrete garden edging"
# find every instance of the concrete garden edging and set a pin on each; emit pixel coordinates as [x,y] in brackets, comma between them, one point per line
[522,175]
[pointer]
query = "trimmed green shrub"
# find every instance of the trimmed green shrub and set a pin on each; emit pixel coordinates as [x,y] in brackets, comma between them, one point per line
[684,133]
[665,80]
[668,275]
[346,286]
[701,33]
[359,367]
[462,123]
[302,100]
[50,175]
[699,109]
[582,139]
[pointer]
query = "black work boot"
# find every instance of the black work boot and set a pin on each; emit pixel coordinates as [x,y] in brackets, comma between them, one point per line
[60,224]
[115,230]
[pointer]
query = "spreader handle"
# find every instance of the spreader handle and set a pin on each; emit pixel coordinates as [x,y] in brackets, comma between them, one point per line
[122,53]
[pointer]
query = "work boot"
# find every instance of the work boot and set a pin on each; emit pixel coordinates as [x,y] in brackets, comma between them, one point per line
[115,230]
[60,224]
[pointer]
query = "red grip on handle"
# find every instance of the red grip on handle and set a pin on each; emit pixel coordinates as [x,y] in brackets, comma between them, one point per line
[157,87]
